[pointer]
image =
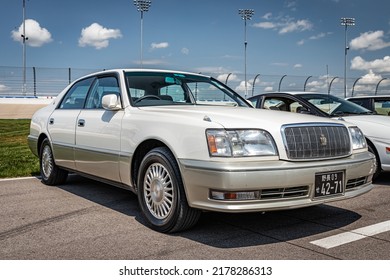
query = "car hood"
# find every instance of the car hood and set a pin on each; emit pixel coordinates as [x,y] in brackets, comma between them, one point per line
[372,125]
[234,117]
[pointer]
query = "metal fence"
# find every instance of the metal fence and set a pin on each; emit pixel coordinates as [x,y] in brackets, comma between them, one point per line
[51,81]
[39,81]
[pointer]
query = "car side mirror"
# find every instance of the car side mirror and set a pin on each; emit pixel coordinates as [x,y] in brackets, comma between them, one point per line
[111,102]
[303,110]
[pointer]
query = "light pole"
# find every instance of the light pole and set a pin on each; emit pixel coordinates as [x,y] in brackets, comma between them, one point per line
[25,38]
[346,22]
[246,14]
[142,6]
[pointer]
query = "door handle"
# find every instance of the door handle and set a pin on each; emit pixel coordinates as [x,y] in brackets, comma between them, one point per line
[81,123]
[51,121]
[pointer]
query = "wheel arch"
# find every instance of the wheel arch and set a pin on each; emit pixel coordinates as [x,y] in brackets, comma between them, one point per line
[41,138]
[369,143]
[140,153]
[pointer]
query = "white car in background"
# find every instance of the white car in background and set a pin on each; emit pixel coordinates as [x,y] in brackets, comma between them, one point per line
[186,143]
[375,127]
[376,103]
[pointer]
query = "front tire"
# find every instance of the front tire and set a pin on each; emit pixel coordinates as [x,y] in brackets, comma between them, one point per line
[161,193]
[51,174]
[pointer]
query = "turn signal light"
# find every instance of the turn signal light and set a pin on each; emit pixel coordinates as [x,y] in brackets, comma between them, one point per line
[250,195]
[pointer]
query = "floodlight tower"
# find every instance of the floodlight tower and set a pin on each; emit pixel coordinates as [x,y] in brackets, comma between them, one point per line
[25,38]
[246,14]
[346,22]
[142,6]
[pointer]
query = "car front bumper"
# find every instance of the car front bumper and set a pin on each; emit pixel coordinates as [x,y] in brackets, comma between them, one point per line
[200,178]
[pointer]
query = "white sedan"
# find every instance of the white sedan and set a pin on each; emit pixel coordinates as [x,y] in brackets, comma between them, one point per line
[379,104]
[186,143]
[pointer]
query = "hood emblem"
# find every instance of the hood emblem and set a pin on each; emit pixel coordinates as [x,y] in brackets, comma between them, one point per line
[206,118]
[323,140]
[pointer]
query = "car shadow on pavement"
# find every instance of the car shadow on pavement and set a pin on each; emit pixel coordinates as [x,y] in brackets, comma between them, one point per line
[222,230]
[383,179]
[117,199]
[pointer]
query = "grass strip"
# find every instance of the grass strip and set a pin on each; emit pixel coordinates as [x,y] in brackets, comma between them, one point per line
[16,159]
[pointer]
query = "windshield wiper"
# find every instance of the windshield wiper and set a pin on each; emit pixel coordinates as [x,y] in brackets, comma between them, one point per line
[367,113]
[339,113]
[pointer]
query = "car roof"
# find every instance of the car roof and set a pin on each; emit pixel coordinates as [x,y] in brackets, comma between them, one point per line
[146,70]
[368,96]
[290,93]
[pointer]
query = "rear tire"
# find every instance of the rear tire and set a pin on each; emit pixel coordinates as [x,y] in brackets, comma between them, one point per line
[161,193]
[51,174]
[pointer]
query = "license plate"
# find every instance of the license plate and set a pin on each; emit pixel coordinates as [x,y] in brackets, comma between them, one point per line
[329,184]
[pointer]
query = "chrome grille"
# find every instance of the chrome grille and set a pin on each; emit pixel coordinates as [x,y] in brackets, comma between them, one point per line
[318,141]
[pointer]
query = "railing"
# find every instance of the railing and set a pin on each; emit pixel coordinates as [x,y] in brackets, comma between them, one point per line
[39,81]
[51,81]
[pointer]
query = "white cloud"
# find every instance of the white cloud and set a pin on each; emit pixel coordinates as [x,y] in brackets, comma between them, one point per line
[241,86]
[372,41]
[367,83]
[291,5]
[377,65]
[3,88]
[266,25]
[185,51]
[36,35]
[296,26]
[98,36]
[232,78]
[267,16]
[285,24]
[314,37]
[320,35]
[370,78]
[162,45]
[315,84]
[298,65]
[212,69]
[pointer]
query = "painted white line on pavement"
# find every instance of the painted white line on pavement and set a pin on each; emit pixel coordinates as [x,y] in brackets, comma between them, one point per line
[18,178]
[350,236]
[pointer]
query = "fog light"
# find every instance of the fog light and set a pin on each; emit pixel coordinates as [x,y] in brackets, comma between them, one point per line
[234,195]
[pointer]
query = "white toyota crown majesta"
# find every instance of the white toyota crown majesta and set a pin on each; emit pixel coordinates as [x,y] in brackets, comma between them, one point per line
[185,143]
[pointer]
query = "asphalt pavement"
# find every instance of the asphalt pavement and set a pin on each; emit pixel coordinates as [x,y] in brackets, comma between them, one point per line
[84,219]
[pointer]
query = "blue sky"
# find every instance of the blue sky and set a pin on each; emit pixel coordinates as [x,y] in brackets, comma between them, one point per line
[300,37]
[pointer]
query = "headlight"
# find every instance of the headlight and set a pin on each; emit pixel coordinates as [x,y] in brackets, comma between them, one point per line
[358,139]
[240,143]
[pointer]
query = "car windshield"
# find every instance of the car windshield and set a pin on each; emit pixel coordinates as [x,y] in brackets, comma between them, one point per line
[161,88]
[335,106]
